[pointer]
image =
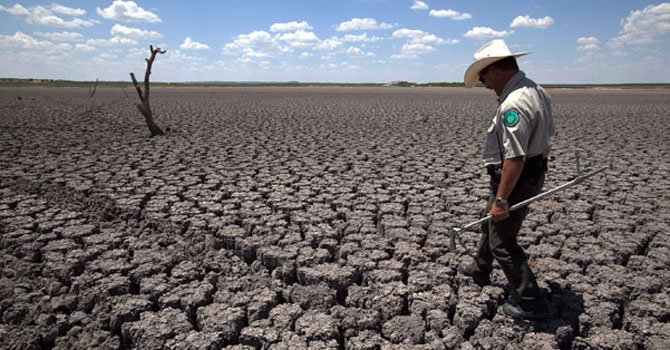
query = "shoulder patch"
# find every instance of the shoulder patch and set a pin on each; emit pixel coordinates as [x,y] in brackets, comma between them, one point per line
[511,118]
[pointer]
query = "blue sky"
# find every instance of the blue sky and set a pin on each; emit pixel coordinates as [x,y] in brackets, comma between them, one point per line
[586,41]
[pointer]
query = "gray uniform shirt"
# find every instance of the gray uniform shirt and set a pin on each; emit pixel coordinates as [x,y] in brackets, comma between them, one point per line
[522,125]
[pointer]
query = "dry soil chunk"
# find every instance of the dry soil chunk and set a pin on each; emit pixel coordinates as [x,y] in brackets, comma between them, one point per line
[283,316]
[188,297]
[290,341]
[389,299]
[405,328]
[316,326]
[604,338]
[539,341]
[154,328]
[354,320]
[221,319]
[318,297]
[195,341]
[335,276]
[259,335]
[366,340]
[262,301]
[127,311]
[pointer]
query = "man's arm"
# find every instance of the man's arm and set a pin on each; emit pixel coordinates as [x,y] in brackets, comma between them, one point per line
[511,171]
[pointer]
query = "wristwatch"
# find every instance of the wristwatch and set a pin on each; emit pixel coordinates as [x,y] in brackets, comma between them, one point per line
[501,202]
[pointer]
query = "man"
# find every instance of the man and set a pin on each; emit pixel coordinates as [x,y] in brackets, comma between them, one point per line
[515,154]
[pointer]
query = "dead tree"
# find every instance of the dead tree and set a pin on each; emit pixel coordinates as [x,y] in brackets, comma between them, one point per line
[145,107]
[91,92]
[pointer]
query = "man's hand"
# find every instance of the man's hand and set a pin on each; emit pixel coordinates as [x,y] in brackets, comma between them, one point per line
[511,171]
[499,213]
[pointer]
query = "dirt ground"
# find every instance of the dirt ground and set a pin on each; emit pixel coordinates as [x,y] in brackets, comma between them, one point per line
[296,218]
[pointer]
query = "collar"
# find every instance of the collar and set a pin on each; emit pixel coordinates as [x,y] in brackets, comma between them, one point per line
[511,84]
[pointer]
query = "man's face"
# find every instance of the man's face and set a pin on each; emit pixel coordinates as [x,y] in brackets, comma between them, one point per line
[485,77]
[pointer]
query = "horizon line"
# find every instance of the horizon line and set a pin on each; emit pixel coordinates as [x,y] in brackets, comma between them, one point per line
[297,82]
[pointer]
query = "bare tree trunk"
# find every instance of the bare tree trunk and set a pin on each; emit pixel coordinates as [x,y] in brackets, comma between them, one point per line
[145,107]
[91,92]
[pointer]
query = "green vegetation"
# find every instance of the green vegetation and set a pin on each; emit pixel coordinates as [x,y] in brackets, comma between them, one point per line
[402,83]
[11,82]
[611,86]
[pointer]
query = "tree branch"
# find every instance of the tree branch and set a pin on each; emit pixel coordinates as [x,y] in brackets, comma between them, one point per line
[145,107]
[91,93]
[137,86]
[150,62]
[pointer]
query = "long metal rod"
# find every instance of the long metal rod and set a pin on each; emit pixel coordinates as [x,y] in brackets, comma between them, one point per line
[519,205]
[577,180]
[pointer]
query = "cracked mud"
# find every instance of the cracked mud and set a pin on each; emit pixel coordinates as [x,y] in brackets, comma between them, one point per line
[282,218]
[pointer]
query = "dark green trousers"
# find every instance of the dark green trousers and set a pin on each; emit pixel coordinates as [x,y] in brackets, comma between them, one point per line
[499,241]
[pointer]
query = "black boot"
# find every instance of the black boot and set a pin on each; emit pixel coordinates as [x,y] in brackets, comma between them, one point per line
[470,270]
[536,310]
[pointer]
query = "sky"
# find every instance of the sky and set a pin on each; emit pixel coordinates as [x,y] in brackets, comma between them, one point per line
[584,41]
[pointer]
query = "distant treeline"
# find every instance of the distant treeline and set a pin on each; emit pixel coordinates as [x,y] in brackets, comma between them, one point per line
[550,85]
[12,82]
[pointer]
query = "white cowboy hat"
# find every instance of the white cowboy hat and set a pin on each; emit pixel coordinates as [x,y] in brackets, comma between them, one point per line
[494,50]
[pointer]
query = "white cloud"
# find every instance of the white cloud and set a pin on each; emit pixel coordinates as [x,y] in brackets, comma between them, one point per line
[486,32]
[27,42]
[68,11]
[117,40]
[44,16]
[108,56]
[127,11]
[419,42]
[16,10]
[414,50]
[643,26]
[526,21]
[84,48]
[256,38]
[419,5]
[121,30]
[189,44]
[360,38]
[259,44]
[176,56]
[419,36]
[305,55]
[588,58]
[256,44]
[348,65]
[329,45]
[588,44]
[61,36]
[299,38]
[358,52]
[328,66]
[136,53]
[455,15]
[362,24]
[290,26]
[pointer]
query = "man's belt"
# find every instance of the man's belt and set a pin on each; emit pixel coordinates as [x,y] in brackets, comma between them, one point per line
[536,165]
